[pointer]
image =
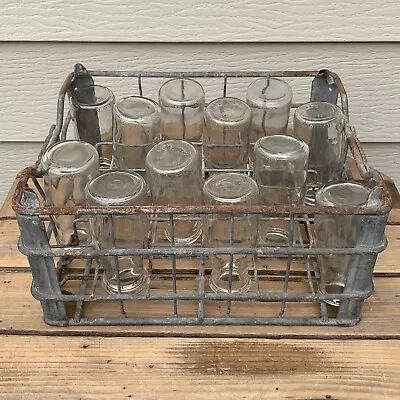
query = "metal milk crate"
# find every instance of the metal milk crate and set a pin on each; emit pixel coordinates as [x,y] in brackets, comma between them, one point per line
[284,288]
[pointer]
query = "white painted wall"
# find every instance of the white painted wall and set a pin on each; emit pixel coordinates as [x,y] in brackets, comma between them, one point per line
[198,21]
[40,42]
[31,75]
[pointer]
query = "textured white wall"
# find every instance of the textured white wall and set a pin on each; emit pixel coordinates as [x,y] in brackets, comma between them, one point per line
[31,75]
[198,21]
[41,40]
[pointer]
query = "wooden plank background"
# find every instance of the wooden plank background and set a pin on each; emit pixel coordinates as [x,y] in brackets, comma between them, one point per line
[166,368]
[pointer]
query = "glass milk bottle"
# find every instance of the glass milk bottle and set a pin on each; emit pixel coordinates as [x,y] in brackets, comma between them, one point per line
[270,100]
[229,273]
[182,110]
[174,174]
[68,166]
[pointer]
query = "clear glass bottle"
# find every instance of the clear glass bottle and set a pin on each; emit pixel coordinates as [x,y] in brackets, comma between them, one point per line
[68,167]
[270,100]
[280,171]
[226,133]
[321,126]
[229,273]
[337,231]
[174,175]
[92,117]
[137,130]
[182,109]
[117,188]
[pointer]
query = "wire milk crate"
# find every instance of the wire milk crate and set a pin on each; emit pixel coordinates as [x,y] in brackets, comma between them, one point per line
[284,280]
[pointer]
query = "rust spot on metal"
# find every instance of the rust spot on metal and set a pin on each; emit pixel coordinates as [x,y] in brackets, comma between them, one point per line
[30,172]
[22,185]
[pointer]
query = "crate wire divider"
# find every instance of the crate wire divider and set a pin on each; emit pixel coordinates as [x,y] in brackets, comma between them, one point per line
[51,263]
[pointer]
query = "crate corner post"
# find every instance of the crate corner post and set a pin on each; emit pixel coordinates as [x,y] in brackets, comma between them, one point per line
[45,285]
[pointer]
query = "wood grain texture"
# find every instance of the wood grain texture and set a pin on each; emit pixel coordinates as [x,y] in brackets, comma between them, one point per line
[200,21]
[31,75]
[156,368]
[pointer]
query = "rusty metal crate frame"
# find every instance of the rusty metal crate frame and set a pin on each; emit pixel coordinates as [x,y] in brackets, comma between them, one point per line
[47,283]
